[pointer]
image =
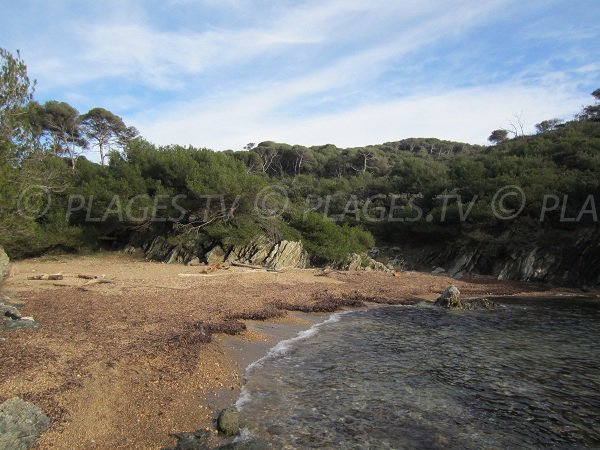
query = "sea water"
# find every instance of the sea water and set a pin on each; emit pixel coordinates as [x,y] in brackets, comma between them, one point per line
[525,375]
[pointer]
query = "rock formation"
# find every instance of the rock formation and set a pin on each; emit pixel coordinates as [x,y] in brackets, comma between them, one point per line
[21,424]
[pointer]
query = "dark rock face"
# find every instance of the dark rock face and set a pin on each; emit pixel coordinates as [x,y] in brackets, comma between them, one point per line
[21,424]
[228,422]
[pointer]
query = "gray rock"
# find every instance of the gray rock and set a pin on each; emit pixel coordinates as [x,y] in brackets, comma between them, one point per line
[228,422]
[262,251]
[198,440]
[358,262]
[21,424]
[287,254]
[4,260]
[450,298]
[130,249]
[479,303]
[438,270]
[11,319]
[215,256]
[158,250]
[195,261]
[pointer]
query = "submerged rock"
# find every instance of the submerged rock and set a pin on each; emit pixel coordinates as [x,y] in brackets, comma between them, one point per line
[21,424]
[228,422]
[197,440]
[451,299]
[250,444]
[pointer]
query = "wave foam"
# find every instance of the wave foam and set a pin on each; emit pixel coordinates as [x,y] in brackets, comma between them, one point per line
[280,350]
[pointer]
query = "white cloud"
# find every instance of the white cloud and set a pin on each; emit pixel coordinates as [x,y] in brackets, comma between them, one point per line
[463,115]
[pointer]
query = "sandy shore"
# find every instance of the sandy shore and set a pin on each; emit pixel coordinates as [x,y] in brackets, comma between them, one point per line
[128,362]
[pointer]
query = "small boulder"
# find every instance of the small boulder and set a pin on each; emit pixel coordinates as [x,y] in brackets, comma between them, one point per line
[450,298]
[215,256]
[21,424]
[438,270]
[228,422]
[195,261]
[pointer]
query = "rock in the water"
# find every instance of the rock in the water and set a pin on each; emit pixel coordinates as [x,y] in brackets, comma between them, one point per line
[21,424]
[250,444]
[479,303]
[198,440]
[4,260]
[450,298]
[228,422]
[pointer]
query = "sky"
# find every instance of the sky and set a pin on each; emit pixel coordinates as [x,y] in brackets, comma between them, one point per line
[223,73]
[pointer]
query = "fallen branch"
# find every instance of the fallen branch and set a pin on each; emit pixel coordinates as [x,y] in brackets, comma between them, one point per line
[45,276]
[89,277]
[97,281]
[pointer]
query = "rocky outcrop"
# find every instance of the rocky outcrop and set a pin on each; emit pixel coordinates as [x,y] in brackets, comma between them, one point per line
[533,265]
[272,255]
[451,299]
[356,262]
[4,260]
[260,251]
[573,260]
[21,424]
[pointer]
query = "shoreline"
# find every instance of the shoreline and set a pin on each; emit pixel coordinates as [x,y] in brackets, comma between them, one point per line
[128,363]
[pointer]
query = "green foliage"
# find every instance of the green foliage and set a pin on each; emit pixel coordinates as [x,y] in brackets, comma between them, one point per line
[328,242]
[16,89]
[40,147]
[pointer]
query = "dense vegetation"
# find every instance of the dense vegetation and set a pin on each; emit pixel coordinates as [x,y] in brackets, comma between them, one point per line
[338,201]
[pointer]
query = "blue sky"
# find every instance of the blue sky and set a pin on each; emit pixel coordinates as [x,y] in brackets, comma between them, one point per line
[221,73]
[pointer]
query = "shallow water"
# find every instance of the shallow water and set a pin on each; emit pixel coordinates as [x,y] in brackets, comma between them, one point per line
[419,377]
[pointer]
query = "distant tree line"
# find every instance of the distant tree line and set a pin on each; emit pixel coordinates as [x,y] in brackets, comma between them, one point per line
[42,146]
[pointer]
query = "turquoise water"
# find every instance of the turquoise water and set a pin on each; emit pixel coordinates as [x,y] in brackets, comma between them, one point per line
[526,375]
